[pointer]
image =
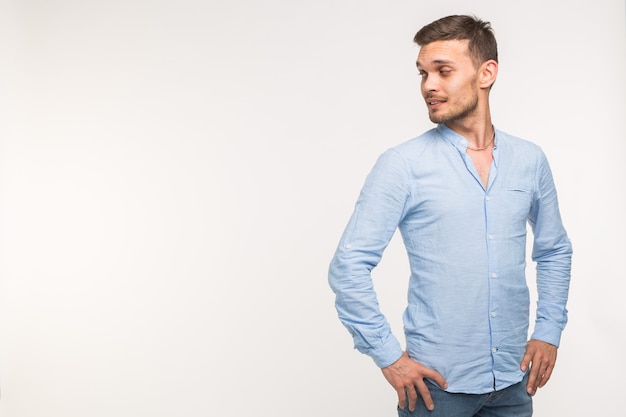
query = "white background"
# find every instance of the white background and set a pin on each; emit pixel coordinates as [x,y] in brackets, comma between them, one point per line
[175,176]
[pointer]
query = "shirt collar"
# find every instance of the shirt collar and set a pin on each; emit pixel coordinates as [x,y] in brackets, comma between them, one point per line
[458,141]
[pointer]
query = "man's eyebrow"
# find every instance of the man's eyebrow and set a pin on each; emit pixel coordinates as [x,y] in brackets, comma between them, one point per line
[436,62]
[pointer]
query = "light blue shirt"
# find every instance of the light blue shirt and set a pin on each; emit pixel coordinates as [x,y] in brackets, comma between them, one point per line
[468,301]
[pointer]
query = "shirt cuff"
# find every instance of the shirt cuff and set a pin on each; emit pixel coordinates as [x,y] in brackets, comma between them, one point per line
[547,333]
[387,353]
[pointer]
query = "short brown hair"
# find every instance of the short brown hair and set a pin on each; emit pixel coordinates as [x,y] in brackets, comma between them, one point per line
[482,41]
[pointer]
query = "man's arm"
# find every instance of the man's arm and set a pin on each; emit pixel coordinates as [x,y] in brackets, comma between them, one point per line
[552,251]
[378,212]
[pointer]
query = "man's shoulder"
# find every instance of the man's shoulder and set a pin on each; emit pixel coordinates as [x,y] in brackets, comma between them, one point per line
[506,139]
[515,151]
[413,145]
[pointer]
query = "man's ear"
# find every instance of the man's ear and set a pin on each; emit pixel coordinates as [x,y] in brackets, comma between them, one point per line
[488,73]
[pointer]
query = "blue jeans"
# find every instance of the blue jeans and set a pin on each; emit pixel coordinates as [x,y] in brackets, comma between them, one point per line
[513,401]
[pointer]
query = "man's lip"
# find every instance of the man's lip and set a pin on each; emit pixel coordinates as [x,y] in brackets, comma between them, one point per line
[433,102]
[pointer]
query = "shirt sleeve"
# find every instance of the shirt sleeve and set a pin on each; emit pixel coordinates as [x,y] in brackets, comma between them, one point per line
[378,211]
[552,251]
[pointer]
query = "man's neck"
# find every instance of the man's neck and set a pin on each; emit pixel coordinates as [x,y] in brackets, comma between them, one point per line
[478,131]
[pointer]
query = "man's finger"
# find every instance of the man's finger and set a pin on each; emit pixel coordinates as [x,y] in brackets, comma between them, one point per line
[401,398]
[533,378]
[525,361]
[425,393]
[412,398]
[546,376]
[437,378]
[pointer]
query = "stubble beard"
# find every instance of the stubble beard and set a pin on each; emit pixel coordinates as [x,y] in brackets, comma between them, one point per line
[463,112]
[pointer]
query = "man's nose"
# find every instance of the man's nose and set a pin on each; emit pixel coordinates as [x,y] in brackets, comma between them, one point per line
[429,83]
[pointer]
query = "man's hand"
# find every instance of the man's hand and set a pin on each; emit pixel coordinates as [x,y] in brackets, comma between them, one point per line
[541,357]
[405,376]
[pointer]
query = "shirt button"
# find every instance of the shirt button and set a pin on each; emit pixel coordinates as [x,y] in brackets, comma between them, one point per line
[487,198]
[494,350]
[348,246]
[490,236]
[494,275]
[493,314]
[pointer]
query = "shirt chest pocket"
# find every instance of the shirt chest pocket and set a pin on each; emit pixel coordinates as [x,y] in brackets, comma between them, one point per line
[517,203]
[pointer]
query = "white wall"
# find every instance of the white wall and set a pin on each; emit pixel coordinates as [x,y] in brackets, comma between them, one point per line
[174,177]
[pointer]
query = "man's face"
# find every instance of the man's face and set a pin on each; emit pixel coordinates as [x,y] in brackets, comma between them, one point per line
[449,80]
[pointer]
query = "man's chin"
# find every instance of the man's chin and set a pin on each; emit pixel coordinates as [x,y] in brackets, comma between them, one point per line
[444,118]
[437,118]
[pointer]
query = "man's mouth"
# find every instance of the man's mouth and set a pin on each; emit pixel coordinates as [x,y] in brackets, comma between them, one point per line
[434,102]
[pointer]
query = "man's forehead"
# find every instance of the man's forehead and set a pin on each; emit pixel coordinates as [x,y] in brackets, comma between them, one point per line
[443,52]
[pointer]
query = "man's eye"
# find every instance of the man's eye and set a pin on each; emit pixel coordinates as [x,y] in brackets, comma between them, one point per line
[445,72]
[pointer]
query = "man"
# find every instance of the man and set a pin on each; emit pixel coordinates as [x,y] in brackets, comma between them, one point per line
[461,195]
